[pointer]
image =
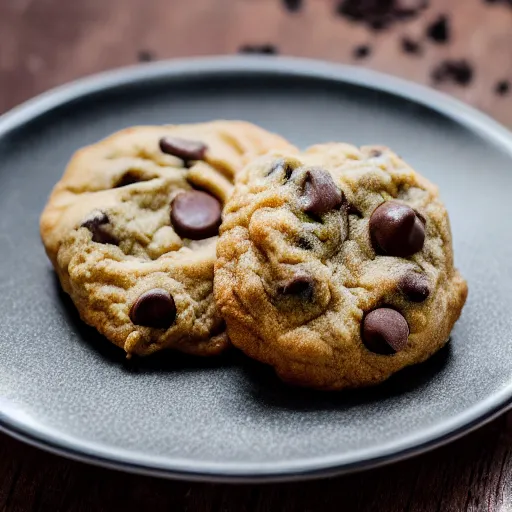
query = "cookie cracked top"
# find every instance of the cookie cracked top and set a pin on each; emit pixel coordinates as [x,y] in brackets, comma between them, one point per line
[335,266]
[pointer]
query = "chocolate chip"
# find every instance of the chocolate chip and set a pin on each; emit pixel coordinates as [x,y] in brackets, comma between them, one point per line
[292,5]
[95,223]
[320,194]
[457,71]
[283,167]
[265,49]
[385,331]
[196,215]
[375,153]
[414,286]
[154,308]
[502,87]
[301,286]
[183,148]
[410,46]
[439,30]
[362,51]
[396,230]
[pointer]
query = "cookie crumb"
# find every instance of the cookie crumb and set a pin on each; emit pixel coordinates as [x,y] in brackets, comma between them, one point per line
[439,30]
[145,56]
[362,51]
[292,5]
[265,49]
[410,46]
[458,71]
[502,88]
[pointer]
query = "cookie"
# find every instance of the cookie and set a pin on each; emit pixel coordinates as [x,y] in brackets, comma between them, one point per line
[335,266]
[131,230]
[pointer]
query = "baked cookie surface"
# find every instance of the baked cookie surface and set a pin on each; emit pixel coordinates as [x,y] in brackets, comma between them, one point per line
[131,230]
[335,266]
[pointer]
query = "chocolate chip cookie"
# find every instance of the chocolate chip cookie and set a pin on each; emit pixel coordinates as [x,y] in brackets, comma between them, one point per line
[335,266]
[131,230]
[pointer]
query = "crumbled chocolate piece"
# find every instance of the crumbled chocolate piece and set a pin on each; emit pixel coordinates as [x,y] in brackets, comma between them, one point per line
[379,14]
[145,56]
[502,88]
[457,71]
[266,49]
[292,5]
[439,31]
[362,51]
[411,46]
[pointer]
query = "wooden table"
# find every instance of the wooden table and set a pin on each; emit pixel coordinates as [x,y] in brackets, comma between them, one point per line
[47,42]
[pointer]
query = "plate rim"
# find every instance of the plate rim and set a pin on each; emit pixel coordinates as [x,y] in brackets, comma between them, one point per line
[18,425]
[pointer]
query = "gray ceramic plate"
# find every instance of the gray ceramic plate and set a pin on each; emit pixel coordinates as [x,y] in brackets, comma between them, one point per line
[64,388]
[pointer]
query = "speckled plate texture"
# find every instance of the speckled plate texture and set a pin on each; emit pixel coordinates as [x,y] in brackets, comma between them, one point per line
[64,388]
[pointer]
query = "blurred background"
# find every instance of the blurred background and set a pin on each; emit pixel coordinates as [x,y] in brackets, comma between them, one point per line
[463,47]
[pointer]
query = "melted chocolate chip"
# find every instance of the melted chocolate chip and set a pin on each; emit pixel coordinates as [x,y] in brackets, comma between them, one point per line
[196,215]
[96,224]
[396,230]
[414,286]
[301,285]
[439,31]
[385,331]
[183,148]
[320,194]
[154,308]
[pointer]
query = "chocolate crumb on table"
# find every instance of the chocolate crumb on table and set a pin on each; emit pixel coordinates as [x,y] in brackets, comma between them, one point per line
[459,72]
[502,88]
[362,51]
[292,5]
[439,30]
[267,49]
[410,46]
[380,14]
[145,56]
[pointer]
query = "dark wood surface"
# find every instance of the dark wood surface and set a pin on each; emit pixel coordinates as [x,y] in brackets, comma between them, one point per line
[47,42]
